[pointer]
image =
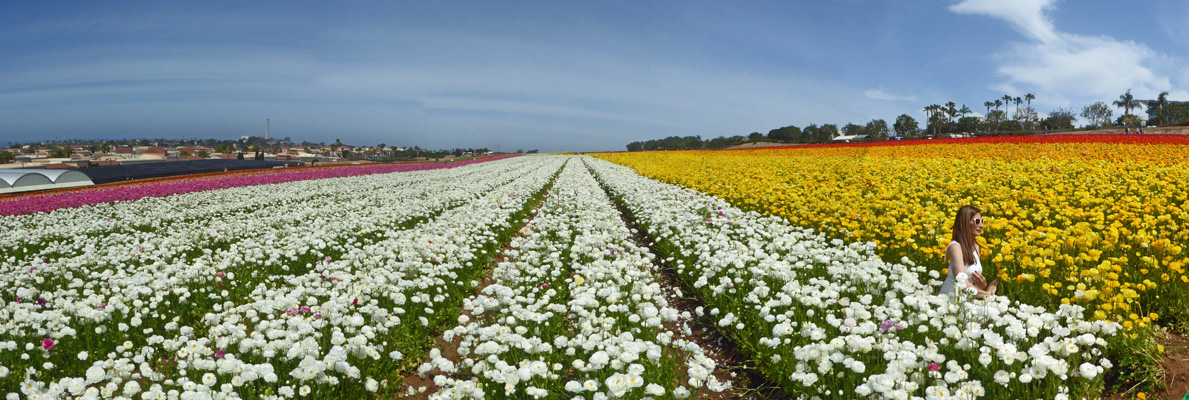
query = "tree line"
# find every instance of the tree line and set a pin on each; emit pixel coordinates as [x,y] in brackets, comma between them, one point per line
[1004,115]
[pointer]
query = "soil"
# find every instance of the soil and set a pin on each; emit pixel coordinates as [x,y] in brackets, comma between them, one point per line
[450,349]
[732,364]
[1176,367]
[1176,370]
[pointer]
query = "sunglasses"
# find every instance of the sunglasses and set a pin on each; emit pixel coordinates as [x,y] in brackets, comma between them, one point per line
[977,221]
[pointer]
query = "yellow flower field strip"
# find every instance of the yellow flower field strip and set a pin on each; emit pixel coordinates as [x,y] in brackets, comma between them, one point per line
[1099,232]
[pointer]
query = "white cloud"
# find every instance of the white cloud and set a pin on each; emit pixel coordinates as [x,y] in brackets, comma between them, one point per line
[1027,16]
[880,94]
[1062,68]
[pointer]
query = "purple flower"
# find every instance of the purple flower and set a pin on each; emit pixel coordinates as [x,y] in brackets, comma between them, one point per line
[889,325]
[220,353]
[40,301]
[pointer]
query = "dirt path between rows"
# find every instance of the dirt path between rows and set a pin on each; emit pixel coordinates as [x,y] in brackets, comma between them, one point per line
[423,386]
[733,364]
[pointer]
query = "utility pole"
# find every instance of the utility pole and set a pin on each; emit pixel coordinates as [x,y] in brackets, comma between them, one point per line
[266,129]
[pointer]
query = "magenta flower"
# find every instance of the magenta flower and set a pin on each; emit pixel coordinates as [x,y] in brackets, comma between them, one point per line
[934,367]
[47,344]
[305,309]
[220,274]
[104,194]
[220,353]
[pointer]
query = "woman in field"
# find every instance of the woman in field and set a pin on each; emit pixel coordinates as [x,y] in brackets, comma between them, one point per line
[962,254]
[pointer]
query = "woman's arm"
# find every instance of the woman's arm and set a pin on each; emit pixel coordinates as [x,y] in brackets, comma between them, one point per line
[958,265]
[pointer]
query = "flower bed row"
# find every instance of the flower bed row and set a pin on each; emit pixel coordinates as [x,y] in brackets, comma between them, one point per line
[1098,224]
[823,318]
[275,310]
[106,194]
[574,312]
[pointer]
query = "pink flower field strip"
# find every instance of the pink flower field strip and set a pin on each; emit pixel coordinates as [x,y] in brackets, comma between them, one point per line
[99,195]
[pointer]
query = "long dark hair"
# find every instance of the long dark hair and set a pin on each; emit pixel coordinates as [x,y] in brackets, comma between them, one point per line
[963,234]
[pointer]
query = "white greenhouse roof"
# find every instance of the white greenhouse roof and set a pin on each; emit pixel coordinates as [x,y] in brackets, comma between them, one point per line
[25,180]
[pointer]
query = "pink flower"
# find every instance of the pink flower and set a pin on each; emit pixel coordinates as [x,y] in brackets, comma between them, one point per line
[305,309]
[220,353]
[47,344]
[220,274]
[292,311]
[934,367]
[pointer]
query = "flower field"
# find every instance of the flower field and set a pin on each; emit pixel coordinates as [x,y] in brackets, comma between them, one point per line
[37,202]
[519,278]
[255,292]
[1093,220]
[825,319]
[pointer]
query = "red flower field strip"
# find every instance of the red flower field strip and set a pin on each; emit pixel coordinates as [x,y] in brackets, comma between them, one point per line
[181,185]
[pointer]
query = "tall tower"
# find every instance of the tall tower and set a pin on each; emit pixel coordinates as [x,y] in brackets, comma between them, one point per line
[266,129]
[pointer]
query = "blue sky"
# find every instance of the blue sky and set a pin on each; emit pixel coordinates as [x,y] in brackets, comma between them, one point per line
[559,76]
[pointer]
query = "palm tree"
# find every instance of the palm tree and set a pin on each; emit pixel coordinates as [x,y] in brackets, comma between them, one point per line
[1158,104]
[1126,101]
[1028,98]
[1007,99]
[931,111]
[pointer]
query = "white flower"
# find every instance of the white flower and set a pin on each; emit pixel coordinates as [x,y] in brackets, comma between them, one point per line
[95,374]
[617,384]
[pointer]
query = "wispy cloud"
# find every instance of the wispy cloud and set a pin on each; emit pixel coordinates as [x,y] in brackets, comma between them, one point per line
[1063,67]
[880,94]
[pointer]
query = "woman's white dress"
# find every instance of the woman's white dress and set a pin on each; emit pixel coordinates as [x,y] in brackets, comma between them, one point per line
[948,286]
